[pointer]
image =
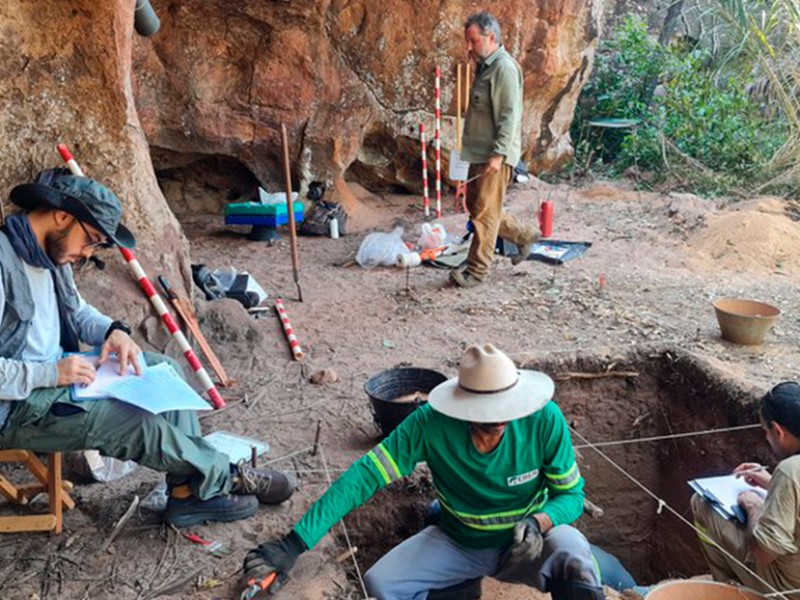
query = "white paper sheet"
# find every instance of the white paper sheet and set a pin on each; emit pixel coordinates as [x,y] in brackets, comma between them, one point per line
[158,389]
[723,491]
[237,447]
[107,374]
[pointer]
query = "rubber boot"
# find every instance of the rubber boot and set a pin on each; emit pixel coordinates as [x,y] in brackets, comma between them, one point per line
[575,590]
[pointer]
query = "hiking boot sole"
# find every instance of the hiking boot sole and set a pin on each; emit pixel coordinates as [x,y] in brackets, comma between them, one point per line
[198,517]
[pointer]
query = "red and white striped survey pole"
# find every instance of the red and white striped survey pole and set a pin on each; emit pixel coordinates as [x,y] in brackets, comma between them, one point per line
[156,301]
[294,343]
[438,139]
[426,201]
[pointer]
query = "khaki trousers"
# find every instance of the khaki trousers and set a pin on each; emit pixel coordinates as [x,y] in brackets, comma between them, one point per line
[733,537]
[485,198]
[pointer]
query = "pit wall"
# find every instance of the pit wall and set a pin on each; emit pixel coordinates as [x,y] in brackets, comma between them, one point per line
[673,392]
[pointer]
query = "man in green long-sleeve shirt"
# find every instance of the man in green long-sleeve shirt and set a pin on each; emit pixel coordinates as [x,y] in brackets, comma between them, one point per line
[492,145]
[505,476]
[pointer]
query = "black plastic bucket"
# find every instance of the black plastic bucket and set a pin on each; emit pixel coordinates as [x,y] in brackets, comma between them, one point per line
[385,388]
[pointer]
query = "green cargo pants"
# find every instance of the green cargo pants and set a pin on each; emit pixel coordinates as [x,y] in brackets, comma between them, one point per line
[171,442]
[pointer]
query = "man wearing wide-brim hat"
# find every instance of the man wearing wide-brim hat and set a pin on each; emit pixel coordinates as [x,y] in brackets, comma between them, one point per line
[504,471]
[65,219]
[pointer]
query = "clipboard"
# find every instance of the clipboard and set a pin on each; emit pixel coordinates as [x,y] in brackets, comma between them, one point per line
[107,372]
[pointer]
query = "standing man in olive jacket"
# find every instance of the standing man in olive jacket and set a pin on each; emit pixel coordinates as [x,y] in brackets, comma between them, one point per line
[492,144]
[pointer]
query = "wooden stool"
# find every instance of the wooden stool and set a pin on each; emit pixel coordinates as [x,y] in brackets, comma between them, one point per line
[49,481]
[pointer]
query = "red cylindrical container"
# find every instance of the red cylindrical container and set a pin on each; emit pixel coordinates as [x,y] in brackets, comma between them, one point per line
[546,218]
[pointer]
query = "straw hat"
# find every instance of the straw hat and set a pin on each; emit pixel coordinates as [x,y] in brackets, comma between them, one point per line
[490,389]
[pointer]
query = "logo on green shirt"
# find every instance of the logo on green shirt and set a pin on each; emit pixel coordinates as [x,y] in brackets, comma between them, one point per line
[524,478]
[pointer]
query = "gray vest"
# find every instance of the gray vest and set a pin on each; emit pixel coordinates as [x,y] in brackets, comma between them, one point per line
[18,311]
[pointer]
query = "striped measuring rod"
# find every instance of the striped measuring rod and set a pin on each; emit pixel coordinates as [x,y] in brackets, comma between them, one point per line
[141,277]
[294,343]
[426,201]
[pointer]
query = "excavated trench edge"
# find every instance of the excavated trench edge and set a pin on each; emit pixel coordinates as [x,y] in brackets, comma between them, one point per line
[675,391]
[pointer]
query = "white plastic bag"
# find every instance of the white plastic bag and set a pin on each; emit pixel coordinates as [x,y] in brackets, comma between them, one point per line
[433,236]
[381,249]
[226,276]
[90,464]
[157,499]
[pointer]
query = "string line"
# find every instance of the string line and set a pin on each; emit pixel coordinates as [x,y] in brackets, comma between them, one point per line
[663,504]
[667,437]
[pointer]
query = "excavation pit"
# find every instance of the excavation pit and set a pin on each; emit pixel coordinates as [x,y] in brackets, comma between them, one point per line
[616,399]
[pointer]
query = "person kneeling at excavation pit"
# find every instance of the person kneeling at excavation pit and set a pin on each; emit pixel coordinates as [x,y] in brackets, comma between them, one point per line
[764,555]
[504,470]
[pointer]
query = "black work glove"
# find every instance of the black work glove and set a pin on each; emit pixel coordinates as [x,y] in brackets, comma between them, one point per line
[517,562]
[277,556]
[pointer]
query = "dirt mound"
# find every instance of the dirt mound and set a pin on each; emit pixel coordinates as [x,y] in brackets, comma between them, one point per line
[607,193]
[749,240]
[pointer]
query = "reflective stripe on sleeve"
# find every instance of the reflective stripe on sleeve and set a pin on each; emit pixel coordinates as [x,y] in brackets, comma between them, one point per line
[564,481]
[385,464]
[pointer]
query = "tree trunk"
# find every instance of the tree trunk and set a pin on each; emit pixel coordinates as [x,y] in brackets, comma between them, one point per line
[65,76]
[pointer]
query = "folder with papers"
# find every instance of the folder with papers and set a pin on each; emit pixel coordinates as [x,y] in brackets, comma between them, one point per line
[722,493]
[158,389]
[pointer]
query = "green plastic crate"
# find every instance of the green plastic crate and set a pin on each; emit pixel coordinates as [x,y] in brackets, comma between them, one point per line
[258,209]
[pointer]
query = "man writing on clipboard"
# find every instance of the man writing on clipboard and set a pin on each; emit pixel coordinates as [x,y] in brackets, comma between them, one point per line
[769,545]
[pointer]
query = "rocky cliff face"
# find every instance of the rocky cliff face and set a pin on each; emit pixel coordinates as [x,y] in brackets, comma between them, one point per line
[65,77]
[351,79]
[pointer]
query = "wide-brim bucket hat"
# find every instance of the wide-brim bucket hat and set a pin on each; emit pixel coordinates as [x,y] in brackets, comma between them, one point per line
[490,389]
[85,199]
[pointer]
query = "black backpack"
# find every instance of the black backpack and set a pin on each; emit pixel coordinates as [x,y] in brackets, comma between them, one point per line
[318,221]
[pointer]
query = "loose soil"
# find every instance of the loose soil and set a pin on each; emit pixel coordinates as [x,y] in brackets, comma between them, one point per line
[414,398]
[638,301]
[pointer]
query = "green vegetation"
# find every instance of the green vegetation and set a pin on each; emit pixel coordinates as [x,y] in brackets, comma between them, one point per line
[712,117]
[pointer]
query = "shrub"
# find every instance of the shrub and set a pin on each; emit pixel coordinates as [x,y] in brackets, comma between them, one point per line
[686,108]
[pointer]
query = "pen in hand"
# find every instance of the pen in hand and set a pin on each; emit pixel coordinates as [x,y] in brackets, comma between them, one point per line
[94,365]
[753,474]
[751,470]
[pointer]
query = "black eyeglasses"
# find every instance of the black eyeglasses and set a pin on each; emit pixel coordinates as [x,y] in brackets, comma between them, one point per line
[92,243]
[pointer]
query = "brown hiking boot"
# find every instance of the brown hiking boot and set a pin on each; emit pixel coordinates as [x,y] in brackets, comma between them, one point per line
[464,279]
[525,249]
[270,487]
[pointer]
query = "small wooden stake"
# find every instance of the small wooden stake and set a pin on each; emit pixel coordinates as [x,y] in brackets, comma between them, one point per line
[316,439]
[458,107]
